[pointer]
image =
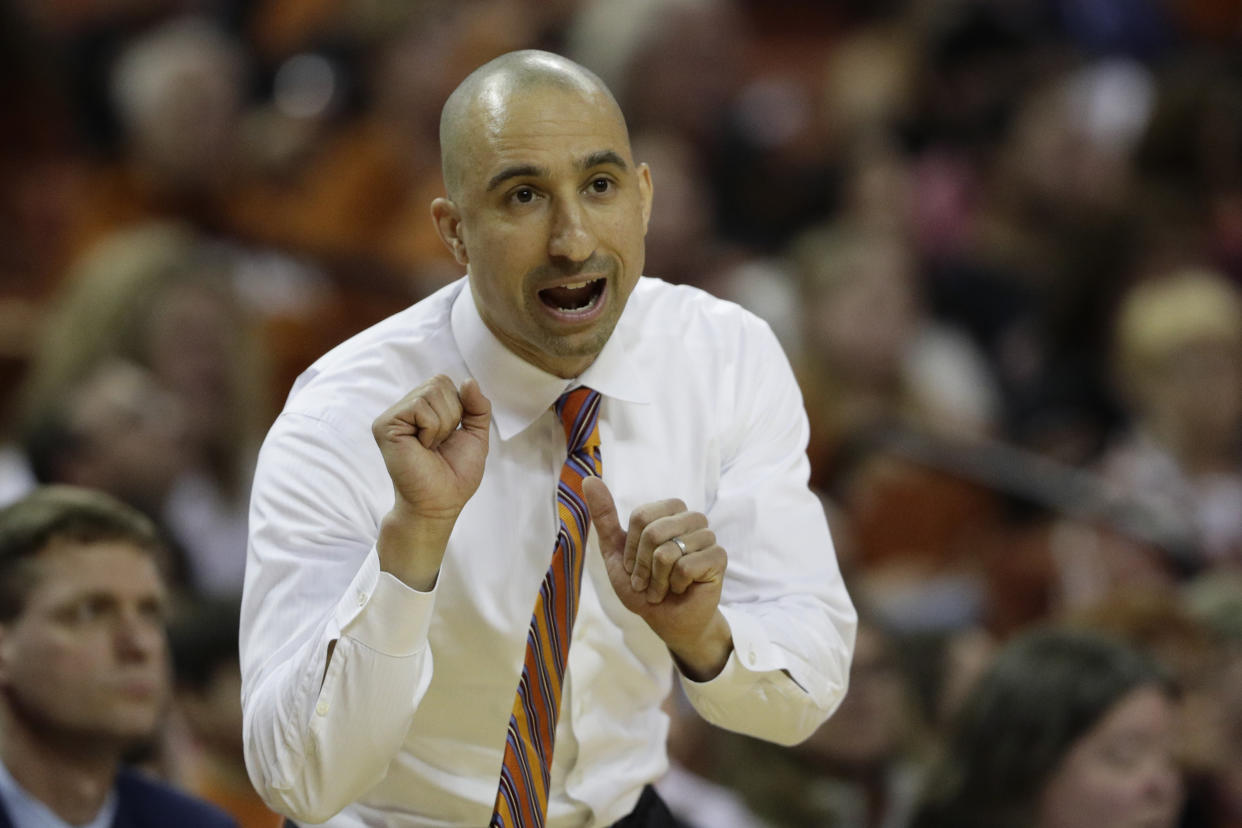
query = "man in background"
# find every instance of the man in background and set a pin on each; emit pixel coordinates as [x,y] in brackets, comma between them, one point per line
[83,666]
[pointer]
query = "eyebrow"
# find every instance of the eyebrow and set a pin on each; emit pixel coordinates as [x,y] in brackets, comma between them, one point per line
[595,159]
[517,171]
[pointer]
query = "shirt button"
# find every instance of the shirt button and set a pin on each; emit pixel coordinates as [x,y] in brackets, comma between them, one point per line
[322,708]
[362,598]
[750,658]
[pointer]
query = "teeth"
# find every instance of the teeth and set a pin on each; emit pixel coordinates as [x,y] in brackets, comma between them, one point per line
[577,285]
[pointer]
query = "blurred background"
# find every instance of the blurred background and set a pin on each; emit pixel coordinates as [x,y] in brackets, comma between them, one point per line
[1001,241]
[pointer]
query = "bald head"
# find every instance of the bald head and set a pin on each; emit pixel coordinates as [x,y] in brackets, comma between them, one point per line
[480,101]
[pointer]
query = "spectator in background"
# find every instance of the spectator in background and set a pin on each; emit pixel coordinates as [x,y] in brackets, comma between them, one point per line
[874,364]
[116,430]
[1178,358]
[1064,730]
[872,354]
[211,764]
[1215,601]
[83,666]
[177,91]
[1205,667]
[159,297]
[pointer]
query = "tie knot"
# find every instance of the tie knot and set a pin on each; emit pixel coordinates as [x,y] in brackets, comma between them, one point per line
[579,413]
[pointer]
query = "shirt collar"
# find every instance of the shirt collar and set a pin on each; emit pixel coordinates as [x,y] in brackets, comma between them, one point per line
[520,392]
[25,810]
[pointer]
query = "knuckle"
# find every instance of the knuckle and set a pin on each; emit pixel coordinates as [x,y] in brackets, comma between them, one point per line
[667,554]
[642,516]
[648,535]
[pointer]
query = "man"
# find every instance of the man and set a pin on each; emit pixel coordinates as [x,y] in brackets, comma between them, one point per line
[407,611]
[83,666]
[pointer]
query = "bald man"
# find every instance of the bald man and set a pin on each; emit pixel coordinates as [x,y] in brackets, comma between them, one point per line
[421,557]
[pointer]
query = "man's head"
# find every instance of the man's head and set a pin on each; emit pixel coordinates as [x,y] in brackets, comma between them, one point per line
[545,205]
[83,652]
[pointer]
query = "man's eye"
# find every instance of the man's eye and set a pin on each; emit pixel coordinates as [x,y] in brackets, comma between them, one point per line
[524,195]
[601,185]
[84,612]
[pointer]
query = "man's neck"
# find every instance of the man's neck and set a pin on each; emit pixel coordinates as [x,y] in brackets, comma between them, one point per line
[70,778]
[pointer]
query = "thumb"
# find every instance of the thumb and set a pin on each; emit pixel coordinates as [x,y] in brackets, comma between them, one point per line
[604,515]
[476,414]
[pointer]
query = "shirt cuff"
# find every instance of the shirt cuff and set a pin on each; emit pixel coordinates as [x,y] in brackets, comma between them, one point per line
[383,613]
[752,653]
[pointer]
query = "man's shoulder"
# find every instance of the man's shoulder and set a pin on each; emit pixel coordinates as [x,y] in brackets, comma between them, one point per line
[381,360]
[143,802]
[692,312]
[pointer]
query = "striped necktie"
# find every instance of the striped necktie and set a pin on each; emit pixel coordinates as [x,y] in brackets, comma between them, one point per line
[522,796]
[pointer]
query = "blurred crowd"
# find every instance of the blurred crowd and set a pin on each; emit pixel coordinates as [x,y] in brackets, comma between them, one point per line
[1001,241]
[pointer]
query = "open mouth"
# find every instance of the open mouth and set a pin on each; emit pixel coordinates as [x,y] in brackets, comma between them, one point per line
[577,297]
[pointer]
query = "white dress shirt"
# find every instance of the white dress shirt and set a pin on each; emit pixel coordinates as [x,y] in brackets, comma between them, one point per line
[405,725]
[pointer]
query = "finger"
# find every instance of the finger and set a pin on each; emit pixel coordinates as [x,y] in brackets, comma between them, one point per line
[696,543]
[422,419]
[662,536]
[441,395]
[700,567]
[663,557]
[604,516]
[476,408]
[412,416]
[651,525]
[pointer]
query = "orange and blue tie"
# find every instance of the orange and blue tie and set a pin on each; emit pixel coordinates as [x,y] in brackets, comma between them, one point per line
[522,797]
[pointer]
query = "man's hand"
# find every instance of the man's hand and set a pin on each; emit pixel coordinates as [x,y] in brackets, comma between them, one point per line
[434,443]
[676,593]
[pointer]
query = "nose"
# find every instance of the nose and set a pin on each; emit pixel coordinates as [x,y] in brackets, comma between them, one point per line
[139,638]
[571,238]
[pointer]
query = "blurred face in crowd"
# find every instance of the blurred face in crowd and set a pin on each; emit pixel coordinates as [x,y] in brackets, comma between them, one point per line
[85,663]
[129,432]
[1121,774]
[191,343]
[863,321]
[548,213]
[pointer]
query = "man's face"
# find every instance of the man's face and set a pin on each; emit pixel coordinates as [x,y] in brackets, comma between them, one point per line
[86,661]
[549,218]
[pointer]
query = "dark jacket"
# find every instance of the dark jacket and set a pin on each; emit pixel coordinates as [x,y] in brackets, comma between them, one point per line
[145,803]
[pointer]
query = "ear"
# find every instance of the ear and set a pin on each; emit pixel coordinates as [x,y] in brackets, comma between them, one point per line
[645,192]
[447,219]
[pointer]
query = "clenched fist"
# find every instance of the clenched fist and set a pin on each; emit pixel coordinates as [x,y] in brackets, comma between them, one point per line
[434,444]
